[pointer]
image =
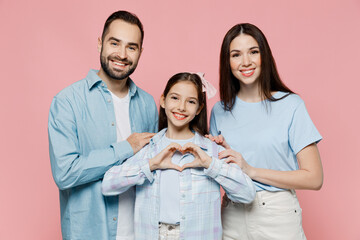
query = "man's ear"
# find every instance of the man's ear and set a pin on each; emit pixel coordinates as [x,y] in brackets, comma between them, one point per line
[99,44]
[162,101]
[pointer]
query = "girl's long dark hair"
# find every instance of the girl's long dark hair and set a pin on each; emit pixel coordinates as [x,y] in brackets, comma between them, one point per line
[269,79]
[199,123]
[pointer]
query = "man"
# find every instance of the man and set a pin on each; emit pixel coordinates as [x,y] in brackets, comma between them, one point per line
[96,123]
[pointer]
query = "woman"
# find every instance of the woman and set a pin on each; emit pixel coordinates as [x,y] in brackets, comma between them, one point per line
[268,133]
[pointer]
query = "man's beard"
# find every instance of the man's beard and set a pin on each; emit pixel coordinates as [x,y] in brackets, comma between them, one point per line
[114,74]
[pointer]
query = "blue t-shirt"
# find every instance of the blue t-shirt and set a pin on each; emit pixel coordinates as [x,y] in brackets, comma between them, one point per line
[170,185]
[267,134]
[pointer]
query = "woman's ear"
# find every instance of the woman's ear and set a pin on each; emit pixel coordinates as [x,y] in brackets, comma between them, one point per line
[199,110]
[162,101]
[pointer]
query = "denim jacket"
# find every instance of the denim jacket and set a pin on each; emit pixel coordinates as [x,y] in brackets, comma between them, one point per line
[83,146]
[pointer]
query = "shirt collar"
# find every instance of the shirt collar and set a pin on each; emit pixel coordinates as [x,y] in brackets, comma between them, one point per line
[198,140]
[92,79]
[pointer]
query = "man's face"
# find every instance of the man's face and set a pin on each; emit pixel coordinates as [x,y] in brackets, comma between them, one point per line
[120,49]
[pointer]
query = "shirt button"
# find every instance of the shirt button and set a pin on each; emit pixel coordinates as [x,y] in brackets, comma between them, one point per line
[109,100]
[102,84]
[114,218]
[112,124]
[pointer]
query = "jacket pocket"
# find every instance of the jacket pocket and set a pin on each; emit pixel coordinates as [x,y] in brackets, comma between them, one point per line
[204,188]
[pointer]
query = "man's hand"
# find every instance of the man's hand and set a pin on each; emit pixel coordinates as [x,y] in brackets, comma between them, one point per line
[139,140]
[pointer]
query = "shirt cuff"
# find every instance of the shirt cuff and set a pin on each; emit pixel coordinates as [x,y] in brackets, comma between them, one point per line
[123,150]
[214,168]
[146,170]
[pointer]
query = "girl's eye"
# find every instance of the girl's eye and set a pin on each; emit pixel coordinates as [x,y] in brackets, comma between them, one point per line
[192,102]
[235,55]
[255,52]
[174,97]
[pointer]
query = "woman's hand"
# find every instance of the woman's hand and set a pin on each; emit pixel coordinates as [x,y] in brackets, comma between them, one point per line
[201,159]
[163,159]
[220,140]
[235,157]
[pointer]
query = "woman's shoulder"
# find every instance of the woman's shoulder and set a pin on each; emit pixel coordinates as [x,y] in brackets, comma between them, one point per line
[288,98]
[218,106]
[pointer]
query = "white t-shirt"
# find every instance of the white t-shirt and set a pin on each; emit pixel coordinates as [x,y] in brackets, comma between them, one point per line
[125,226]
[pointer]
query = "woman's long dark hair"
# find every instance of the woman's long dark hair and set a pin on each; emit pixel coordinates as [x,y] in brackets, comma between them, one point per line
[269,79]
[199,123]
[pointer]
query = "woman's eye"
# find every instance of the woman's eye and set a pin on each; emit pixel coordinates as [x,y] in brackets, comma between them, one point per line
[255,52]
[235,55]
[173,97]
[192,102]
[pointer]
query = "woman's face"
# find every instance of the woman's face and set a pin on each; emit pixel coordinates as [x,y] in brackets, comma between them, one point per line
[245,59]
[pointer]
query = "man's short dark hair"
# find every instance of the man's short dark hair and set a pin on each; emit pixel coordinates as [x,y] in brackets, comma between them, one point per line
[125,16]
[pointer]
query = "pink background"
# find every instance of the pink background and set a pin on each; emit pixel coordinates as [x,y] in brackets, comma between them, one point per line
[47,45]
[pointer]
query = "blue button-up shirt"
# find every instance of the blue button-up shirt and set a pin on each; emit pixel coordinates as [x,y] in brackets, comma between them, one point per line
[83,146]
[199,190]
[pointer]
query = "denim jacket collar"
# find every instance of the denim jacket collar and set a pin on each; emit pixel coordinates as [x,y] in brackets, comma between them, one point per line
[92,79]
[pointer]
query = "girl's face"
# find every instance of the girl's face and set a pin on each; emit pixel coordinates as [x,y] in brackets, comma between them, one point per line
[245,59]
[181,105]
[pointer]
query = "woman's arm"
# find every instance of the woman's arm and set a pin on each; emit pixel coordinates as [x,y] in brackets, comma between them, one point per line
[309,176]
[237,185]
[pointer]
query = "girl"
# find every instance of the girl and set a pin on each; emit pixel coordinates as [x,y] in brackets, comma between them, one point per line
[271,135]
[178,174]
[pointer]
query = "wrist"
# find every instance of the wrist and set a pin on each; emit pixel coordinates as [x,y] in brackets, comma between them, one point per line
[208,162]
[251,172]
[152,165]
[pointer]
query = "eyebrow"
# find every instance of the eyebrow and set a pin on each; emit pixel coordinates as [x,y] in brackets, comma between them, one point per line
[235,50]
[118,40]
[177,94]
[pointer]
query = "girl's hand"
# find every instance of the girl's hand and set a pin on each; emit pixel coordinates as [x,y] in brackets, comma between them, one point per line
[220,140]
[201,159]
[163,159]
[235,157]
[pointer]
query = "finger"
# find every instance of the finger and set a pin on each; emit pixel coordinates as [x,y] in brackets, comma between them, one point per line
[147,135]
[189,165]
[190,146]
[209,136]
[175,167]
[226,153]
[175,146]
[230,160]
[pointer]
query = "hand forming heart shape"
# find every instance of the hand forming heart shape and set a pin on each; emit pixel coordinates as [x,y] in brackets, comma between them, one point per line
[163,159]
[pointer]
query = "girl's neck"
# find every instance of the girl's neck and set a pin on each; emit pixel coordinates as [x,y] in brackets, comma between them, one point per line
[179,134]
